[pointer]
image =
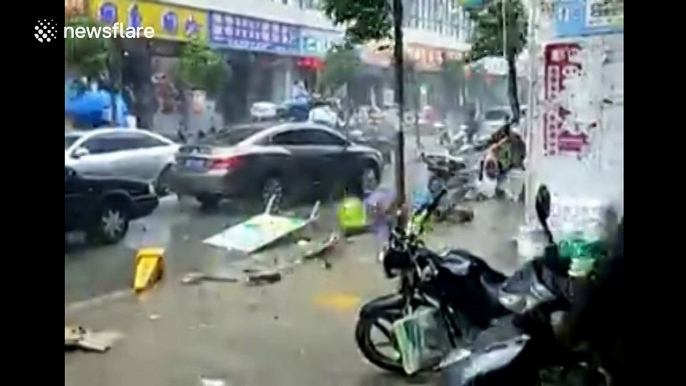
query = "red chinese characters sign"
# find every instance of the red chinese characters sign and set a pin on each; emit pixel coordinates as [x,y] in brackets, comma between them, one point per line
[562,63]
[425,58]
[430,59]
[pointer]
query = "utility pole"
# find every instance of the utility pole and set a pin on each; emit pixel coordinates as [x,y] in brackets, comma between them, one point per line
[400,101]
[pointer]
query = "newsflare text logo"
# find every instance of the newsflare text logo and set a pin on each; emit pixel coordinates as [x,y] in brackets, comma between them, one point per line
[46,31]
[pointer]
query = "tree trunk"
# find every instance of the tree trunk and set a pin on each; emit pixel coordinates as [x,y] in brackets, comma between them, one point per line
[512,91]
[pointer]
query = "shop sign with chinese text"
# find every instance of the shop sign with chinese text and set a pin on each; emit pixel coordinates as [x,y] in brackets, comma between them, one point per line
[252,34]
[168,21]
[573,18]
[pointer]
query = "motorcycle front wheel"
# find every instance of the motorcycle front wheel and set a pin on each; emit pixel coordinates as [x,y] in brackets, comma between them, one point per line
[383,355]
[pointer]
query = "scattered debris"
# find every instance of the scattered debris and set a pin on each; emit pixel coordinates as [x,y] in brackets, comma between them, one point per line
[192,278]
[220,279]
[464,214]
[154,317]
[212,382]
[323,247]
[79,337]
[264,278]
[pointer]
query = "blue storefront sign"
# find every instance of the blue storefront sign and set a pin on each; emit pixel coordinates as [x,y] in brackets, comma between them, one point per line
[315,42]
[252,34]
[575,18]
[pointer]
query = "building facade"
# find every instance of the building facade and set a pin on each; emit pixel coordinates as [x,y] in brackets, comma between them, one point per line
[434,29]
[271,44]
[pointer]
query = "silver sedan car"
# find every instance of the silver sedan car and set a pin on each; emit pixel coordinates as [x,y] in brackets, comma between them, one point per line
[121,152]
[267,159]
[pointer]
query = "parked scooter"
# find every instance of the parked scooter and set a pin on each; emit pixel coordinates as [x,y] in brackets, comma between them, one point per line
[465,293]
[524,349]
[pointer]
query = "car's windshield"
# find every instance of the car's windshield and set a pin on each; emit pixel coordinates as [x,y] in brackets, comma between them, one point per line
[495,115]
[70,139]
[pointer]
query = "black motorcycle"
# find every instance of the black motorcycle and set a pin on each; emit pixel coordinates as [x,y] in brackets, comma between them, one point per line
[464,290]
[524,349]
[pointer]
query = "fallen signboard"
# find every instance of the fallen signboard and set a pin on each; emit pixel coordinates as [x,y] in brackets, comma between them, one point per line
[260,231]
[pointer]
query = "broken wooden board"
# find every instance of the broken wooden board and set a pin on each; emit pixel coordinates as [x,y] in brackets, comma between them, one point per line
[79,337]
[260,231]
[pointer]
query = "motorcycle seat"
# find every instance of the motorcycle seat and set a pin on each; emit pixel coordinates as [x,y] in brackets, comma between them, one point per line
[456,264]
[492,287]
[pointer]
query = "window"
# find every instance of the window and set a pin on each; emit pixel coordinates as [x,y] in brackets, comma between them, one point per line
[129,141]
[309,4]
[100,144]
[306,137]
[324,138]
[144,141]
[295,137]
[230,137]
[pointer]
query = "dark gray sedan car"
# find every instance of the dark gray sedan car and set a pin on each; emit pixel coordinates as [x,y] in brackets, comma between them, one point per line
[261,160]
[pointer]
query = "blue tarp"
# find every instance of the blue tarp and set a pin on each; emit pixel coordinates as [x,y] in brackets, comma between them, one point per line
[91,108]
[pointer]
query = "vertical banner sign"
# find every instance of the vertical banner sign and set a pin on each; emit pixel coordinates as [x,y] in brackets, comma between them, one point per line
[563,133]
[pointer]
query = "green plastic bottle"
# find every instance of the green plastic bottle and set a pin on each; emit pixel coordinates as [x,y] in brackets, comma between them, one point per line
[586,249]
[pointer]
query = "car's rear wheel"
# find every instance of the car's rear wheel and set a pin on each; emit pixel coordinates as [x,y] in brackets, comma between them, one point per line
[208,200]
[273,187]
[112,222]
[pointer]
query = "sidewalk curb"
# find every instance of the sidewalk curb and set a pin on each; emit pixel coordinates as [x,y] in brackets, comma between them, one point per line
[98,300]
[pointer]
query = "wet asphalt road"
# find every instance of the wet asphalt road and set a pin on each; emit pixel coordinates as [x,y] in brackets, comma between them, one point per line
[297,331]
[92,271]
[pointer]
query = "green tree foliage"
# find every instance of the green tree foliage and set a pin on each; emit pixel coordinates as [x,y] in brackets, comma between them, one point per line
[340,65]
[498,33]
[89,57]
[202,68]
[365,20]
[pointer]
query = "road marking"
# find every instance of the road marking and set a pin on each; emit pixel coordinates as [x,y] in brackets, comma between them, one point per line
[337,301]
[77,306]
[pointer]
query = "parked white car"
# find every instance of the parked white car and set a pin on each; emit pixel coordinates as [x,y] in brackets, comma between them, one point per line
[121,152]
[493,119]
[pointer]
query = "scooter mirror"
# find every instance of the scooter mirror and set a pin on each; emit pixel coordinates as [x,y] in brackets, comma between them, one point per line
[543,203]
[542,206]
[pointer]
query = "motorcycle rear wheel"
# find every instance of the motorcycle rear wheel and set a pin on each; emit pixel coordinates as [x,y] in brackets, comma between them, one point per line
[369,349]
